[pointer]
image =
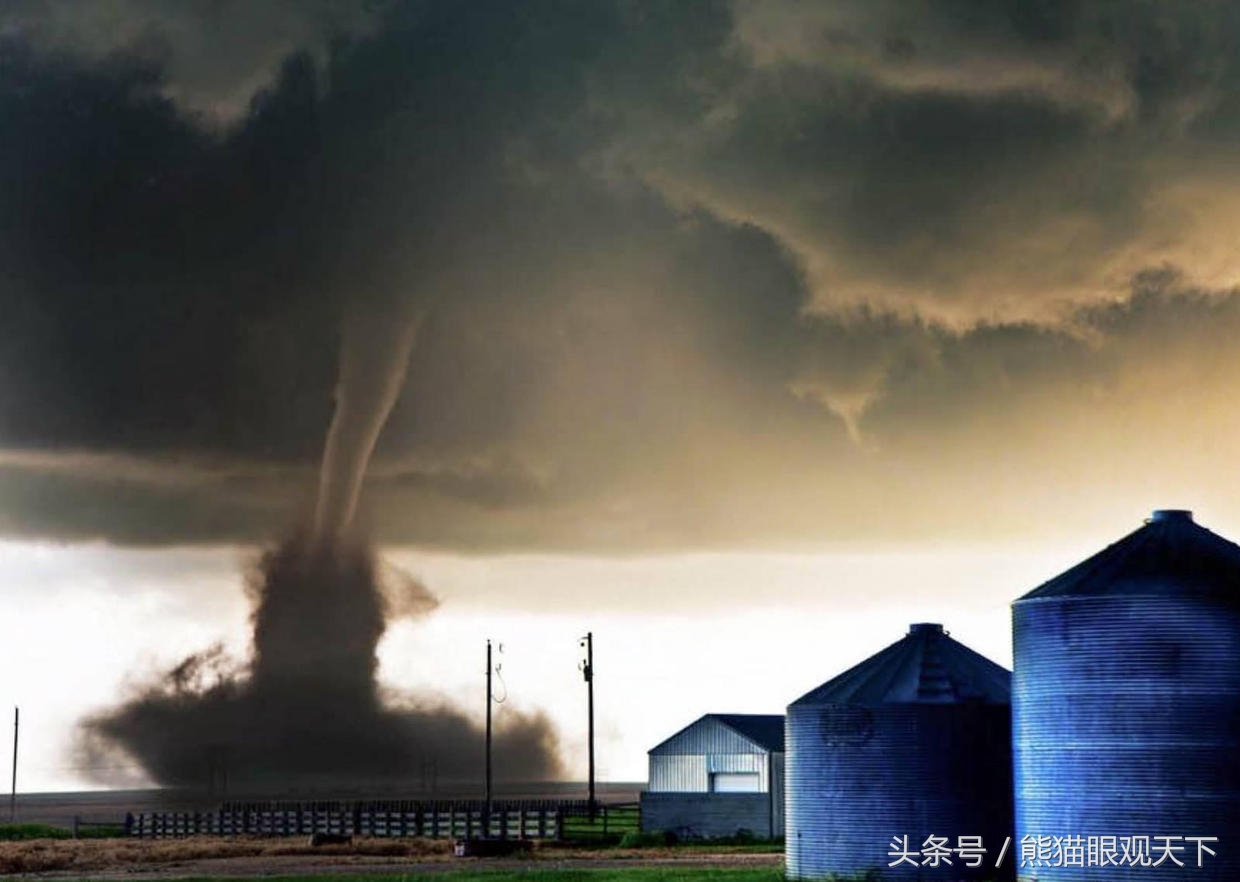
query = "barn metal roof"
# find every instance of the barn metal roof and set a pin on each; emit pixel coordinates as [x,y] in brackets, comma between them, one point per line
[763,732]
[1170,554]
[926,667]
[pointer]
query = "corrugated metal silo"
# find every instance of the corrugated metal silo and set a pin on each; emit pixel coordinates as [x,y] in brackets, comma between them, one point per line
[916,743]
[1126,709]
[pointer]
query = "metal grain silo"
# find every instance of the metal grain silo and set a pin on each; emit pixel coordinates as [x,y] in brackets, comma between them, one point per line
[914,742]
[1126,709]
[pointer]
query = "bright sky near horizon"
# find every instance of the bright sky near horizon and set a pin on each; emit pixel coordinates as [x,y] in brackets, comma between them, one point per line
[676,636]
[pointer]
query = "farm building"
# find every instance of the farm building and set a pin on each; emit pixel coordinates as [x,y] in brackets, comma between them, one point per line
[718,776]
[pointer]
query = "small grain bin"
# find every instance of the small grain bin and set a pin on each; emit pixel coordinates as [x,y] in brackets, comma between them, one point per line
[1126,709]
[914,742]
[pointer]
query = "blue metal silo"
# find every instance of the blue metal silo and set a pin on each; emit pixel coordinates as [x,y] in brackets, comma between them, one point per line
[914,742]
[1126,710]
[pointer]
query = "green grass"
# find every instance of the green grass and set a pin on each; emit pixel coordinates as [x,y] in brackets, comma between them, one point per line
[20,832]
[102,831]
[728,846]
[871,876]
[609,827]
[633,874]
[622,828]
[17,832]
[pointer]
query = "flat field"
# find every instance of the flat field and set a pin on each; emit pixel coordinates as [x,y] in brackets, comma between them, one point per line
[205,857]
[619,874]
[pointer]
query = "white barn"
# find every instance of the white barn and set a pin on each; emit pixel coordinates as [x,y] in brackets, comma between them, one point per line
[718,776]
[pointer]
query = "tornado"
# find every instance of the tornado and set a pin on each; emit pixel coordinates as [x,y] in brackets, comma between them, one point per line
[374,360]
[305,709]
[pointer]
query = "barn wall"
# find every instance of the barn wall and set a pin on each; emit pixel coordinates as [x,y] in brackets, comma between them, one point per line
[691,774]
[708,815]
[678,774]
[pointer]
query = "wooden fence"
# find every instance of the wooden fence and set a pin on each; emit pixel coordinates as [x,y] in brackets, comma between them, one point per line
[458,819]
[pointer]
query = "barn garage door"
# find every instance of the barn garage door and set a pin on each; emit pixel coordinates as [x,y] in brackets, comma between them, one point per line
[736,782]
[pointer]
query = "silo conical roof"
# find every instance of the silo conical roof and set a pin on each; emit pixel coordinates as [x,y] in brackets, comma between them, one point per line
[926,667]
[916,739]
[1170,554]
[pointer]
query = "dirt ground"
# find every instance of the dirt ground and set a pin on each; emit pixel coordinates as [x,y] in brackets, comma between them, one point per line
[165,859]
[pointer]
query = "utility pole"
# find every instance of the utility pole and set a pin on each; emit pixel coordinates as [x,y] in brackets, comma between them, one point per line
[486,814]
[588,671]
[13,792]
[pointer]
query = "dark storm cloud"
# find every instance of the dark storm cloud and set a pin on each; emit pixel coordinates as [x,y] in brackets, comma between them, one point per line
[968,161]
[216,54]
[688,272]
